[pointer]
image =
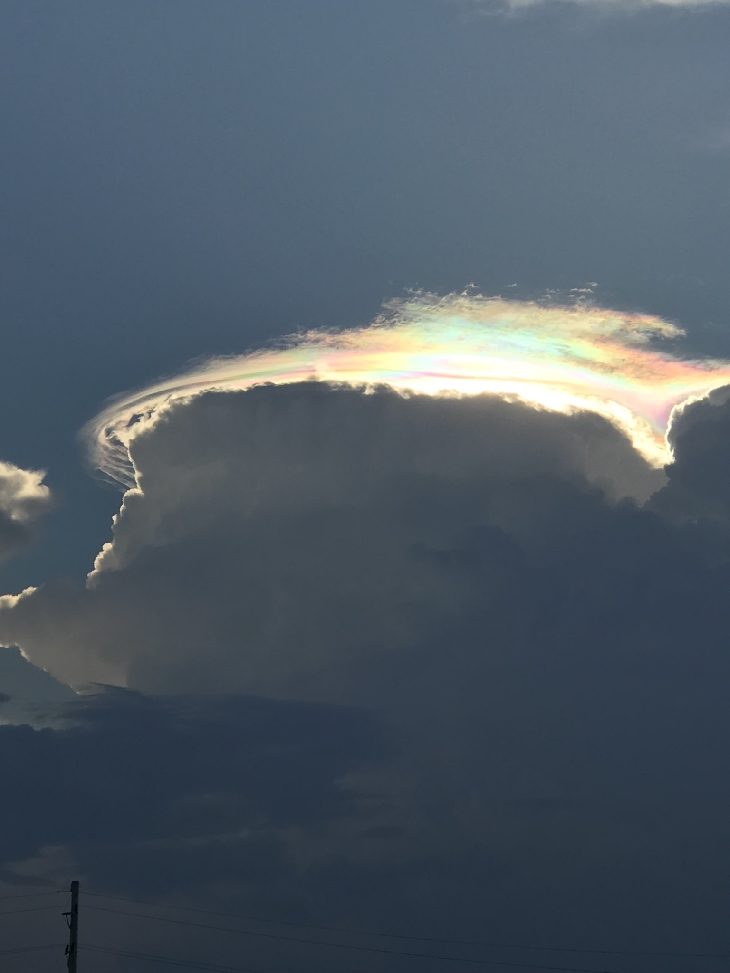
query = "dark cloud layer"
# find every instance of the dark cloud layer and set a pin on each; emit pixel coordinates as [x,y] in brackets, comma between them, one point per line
[125,772]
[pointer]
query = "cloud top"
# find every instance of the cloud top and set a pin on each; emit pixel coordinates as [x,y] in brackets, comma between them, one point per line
[617,364]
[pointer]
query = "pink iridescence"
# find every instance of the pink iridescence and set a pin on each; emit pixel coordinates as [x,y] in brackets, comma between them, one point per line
[564,358]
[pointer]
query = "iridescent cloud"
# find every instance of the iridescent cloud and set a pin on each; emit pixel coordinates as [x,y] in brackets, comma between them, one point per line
[563,358]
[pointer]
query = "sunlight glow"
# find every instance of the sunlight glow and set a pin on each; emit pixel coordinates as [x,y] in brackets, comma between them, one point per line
[564,358]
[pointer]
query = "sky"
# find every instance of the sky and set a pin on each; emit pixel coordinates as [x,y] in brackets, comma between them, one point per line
[365,484]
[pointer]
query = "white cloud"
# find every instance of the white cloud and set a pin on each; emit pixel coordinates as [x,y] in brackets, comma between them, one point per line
[23,494]
[478,7]
[24,497]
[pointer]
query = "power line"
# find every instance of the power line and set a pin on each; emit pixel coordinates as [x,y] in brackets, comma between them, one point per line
[345,930]
[353,946]
[168,960]
[486,944]
[18,912]
[30,895]
[217,968]
[29,949]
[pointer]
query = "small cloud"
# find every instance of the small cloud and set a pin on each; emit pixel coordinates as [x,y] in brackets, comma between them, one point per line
[477,8]
[24,498]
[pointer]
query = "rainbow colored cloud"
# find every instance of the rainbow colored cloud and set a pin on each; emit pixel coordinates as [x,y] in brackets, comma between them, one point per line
[563,358]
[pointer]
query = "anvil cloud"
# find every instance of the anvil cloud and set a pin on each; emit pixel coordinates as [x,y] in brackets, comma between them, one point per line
[620,365]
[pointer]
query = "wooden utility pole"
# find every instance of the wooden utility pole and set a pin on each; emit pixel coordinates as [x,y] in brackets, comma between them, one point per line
[73,929]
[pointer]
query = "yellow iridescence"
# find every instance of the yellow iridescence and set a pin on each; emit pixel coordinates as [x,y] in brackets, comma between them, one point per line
[562,358]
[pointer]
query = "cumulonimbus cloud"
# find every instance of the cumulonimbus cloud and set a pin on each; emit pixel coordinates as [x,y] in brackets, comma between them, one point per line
[618,364]
[283,535]
[272,503]
[493,593]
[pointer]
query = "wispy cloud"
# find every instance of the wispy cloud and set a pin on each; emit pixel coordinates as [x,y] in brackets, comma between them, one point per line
[487,7]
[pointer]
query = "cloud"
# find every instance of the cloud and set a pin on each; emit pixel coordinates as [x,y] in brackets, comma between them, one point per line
[283,533]
[563,730]
[24,498]
[488,667]
[564,358]
[26,688]
[600,6]
[699,478]
[138,779]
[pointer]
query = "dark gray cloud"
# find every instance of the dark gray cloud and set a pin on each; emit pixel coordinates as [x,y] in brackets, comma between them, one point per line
[698,485]
[25,687]
[225,791]
[127,771]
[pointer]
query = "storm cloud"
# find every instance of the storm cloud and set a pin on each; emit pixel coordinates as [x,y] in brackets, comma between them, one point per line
[282,534]
[391,655]
[482,664]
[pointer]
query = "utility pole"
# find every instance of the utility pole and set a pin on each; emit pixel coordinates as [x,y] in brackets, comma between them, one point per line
[73,929]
